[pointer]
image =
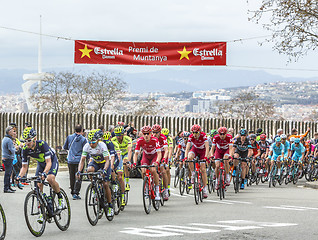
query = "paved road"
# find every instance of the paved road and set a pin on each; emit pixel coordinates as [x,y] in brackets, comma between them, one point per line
[255,213]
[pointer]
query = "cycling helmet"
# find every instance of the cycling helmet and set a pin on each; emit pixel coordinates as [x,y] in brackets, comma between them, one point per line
[222,130]
[94,135]
[297,140]
[252,136]
[156,128]
[165,131]
[283,136]
[119,131]
[107,135]
[186,134]
[292,139]
[196,128]
[146,129]
[213,132]
[259,131]
[262,136]
[243,132]
[278,139]
[28,133]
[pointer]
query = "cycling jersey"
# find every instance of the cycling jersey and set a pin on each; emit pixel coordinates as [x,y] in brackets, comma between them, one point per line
[41,152]
[277,150]
[127,142]
[98,153]
[170,141]
[286,147]
[242,146]
[263,145]
[162,142]
[222,144]
[300,149]
[151,147]
[255,147]
[198,143]
[182,145]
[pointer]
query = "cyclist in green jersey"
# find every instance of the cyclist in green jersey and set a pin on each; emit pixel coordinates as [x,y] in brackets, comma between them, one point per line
[165,131]
[125,144]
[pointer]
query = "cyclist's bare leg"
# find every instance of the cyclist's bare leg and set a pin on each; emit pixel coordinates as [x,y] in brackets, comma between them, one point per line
[121,181]
[107,191]
[203,171]
[155,175]
[53,183]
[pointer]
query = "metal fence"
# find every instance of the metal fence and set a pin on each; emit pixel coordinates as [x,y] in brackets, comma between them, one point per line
[54,128]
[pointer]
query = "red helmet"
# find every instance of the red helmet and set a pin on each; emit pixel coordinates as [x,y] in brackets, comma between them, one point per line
[120,123]
[196,128]
[156,128]
[262,137]
[222,130]
[146,129]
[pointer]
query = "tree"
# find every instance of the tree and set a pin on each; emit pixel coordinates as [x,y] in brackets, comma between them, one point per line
[246,104]
[147,106]
[293,24]
[73,93]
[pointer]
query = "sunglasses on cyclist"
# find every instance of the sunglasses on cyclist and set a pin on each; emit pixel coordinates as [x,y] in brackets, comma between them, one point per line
[221,133]
[146,133]
[155,132]
[92,142]
[30,140]
[195,132]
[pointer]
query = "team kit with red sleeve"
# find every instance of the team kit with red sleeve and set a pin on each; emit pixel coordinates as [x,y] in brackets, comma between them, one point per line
[150,149]
[198,147]
[222,146]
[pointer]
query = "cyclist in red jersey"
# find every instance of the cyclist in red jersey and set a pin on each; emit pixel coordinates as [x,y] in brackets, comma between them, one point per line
[222,148]
[151,154]
[156,130]
[256,152]
[199,148]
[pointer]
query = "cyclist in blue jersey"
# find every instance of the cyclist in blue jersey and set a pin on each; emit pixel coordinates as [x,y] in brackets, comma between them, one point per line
[276,153]
[299,153]
[47,162]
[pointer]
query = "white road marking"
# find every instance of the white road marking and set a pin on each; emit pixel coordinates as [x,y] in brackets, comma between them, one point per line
[183,229]
[309,208]
[227,227]
[178,195]
[285,208]
[221,201]
[149,232]
[264,224]
[231,201]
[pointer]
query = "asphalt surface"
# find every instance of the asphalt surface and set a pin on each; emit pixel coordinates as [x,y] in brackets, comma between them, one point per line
[258,212]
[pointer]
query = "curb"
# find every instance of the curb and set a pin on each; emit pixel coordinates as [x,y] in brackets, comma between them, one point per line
[313,185]
[32,170]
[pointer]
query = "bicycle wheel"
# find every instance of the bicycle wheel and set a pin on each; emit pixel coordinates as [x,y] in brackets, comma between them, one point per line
[237,182]
[210,182]
[62,217]
[176,177]
[296,177]
[117,197]
[220,185]
[92,204]
[34,213]
[182,182]
[106,206]
[3,222]
[201,188]
[161,189]
[196,189]
[146,196]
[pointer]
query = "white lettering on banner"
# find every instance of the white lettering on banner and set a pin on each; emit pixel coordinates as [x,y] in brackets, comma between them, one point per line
[207,53]
[150,58]
[115,51]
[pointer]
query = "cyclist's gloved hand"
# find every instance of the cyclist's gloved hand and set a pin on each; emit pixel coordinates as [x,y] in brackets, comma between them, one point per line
[104,172]
[133,165]
[44,175]
[78,174]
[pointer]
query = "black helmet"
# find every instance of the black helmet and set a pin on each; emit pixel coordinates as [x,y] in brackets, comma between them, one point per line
[243,132]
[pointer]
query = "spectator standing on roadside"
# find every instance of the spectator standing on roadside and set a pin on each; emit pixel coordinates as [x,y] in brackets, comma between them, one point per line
[8,154]
[74,144]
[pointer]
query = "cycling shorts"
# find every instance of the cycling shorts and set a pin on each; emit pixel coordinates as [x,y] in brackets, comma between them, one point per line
[198,152]
[148,159]
[182,155]
[242,154]
[275,157]
[98,166]
[41,166]
[220,153]
[297,157]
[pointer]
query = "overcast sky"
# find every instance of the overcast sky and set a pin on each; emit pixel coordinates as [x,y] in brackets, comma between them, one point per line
[139,20]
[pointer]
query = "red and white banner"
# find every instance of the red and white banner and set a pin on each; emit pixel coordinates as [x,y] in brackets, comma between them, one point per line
[150,53]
